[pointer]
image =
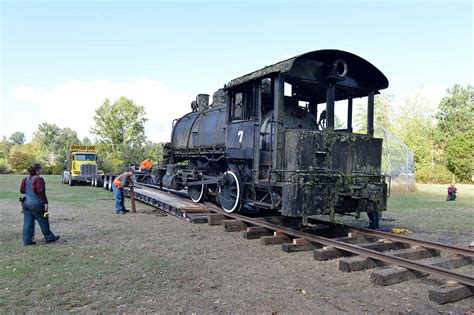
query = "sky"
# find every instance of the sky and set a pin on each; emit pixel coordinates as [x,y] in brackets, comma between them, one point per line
[61,59]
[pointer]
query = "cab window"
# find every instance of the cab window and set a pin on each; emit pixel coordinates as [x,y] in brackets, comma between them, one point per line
[85,157]
[242,105]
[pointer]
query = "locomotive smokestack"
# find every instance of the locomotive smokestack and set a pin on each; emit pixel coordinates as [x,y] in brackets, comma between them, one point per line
[202,101]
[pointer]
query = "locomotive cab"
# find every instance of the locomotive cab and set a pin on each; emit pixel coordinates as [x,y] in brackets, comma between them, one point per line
[276,144]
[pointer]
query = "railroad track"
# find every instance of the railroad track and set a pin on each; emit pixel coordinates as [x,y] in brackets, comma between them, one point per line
[360,249]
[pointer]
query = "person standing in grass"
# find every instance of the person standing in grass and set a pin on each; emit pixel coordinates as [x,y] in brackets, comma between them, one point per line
[124,179]
[35,206]
[451,193]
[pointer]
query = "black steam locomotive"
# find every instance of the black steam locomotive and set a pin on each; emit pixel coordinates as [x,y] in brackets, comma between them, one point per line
[269,140]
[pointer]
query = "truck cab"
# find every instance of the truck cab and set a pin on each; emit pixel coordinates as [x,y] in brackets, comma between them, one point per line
[80,165]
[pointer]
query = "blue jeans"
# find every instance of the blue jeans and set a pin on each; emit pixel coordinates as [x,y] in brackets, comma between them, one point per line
[374,219]
[119,199]
[30,214]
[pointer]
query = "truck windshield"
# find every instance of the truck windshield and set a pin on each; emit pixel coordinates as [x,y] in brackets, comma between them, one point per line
[85,157]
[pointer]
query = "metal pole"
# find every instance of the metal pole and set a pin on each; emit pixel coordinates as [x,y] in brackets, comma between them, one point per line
[370,114]
[330,98]
[349,114]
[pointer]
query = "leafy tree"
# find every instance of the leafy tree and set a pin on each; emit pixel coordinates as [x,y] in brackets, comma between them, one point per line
[383,113]
[19,159]
[51,138]
[153,151]
[86,140]
[456,130]
[18,138]
[459,154]
[415,127]
[46,135]
[456,110]
[120,128]
[66,137]
[5,147]
[51,143]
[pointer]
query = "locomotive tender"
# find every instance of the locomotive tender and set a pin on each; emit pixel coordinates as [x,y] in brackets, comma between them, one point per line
[269,140]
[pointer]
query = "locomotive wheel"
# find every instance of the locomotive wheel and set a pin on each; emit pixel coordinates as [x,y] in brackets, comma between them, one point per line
[197,193]
[229,192]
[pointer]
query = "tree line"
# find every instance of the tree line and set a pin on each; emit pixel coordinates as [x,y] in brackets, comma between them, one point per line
[119,132]
[442,140]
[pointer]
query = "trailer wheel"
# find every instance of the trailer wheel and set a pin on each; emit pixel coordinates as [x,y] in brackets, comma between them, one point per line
[111,180]
[72,182]
[104,184]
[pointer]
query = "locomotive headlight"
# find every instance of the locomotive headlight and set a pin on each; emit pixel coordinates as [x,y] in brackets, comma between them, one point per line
[340,68]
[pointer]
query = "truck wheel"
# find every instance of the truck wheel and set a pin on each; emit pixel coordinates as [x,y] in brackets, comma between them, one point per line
[98,182]
[112,178]
[104,184]
[72,182]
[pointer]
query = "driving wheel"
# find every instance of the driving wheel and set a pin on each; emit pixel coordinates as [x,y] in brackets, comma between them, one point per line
[230,192]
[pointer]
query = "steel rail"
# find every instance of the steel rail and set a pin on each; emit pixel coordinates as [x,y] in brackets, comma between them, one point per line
[406,239]
[402,262]
[429,244]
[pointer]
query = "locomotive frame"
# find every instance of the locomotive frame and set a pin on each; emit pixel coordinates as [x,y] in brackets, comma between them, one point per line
[261,145]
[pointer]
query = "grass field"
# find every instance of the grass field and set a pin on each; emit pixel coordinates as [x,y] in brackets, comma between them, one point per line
[430,216]
[143,262]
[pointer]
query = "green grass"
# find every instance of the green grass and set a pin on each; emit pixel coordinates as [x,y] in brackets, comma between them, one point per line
[87,267]
[427,210]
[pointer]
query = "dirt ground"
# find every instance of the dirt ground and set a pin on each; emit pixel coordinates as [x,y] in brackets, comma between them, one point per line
[150,262]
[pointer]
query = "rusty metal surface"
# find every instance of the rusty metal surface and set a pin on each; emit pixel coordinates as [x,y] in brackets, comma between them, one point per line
[452,249]
[402,238]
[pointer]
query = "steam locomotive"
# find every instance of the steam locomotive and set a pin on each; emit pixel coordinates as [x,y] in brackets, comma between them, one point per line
[270,141]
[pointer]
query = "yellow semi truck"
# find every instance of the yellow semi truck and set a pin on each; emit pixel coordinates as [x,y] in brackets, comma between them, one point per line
[80,164]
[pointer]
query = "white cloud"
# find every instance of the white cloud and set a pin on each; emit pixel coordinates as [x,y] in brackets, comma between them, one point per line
[72,104]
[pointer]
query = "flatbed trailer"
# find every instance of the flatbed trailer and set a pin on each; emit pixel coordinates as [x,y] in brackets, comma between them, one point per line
[172,202]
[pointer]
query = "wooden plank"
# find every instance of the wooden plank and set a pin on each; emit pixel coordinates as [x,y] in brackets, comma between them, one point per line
[300,241]
[274,240]
[215,219]
[195,210]
[132,200]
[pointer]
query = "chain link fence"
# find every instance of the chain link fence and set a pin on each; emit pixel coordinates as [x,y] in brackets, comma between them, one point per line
[398,161]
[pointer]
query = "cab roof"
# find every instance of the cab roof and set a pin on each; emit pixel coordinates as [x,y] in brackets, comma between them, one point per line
[311,66]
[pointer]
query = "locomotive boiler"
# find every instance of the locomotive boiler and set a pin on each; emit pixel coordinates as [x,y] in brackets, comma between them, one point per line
[270,140]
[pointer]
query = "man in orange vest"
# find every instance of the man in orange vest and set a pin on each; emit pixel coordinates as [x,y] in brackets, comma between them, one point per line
[146,165]
[123,180]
